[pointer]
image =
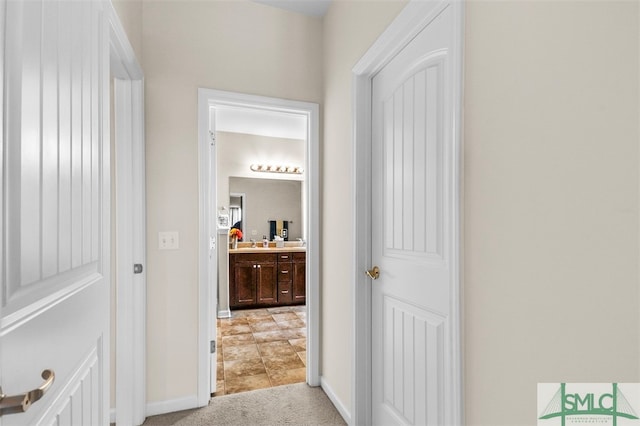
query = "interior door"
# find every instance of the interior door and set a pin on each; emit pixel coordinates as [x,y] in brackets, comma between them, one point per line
[54,299]
[413,230]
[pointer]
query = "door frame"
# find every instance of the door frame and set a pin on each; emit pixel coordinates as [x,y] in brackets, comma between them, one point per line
[411,21]
[130,224]
[208,98]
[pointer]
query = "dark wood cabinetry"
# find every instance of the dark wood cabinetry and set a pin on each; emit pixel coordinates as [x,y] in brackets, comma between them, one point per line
[299,282]
[266,279]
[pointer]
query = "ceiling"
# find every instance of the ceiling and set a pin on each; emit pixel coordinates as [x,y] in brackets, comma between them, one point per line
[306,7]
[261,122]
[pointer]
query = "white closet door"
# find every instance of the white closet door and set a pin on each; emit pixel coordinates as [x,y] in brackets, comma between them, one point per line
[54,303]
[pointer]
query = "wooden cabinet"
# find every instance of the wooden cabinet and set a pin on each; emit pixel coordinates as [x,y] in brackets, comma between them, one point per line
[266,279]
[299,281]
[252,279]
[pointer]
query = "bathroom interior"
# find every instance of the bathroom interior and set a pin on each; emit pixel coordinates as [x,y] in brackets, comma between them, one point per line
[261,195]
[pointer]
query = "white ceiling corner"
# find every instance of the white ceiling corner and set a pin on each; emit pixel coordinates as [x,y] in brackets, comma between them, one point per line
[261,122]
[306,7]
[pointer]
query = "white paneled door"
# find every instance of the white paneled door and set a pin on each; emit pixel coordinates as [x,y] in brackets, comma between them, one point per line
[414,230]
[54,300]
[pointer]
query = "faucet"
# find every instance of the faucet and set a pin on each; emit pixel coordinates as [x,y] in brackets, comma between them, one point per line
[304,243]
[253,243]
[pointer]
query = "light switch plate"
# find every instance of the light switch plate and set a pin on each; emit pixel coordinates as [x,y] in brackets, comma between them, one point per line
[168,240]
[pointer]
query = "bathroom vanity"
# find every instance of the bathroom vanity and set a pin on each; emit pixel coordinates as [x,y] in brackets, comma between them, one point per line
[267,277]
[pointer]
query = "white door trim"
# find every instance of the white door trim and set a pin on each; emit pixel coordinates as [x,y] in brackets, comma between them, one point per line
[130,222]
[206,99]
[411,20]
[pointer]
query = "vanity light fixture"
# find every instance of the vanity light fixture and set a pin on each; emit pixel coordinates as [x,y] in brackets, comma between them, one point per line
[276,169]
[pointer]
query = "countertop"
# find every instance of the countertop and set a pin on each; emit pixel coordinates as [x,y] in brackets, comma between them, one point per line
[268,250]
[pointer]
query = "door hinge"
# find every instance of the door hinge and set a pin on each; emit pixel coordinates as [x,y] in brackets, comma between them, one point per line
[213,137]
[213,346]
[137,268]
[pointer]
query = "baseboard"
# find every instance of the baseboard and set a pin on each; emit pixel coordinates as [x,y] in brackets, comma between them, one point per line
[225,313]
[334,399]
[169,406]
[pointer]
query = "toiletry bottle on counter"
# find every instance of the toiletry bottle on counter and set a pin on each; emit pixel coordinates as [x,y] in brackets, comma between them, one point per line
[265,242]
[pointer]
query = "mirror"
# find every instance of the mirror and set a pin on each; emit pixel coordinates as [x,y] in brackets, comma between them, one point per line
[259,202]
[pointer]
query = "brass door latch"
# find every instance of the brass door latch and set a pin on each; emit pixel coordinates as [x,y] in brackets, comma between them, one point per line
[21,403]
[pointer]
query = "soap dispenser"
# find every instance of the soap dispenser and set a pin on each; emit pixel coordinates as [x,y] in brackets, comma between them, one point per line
[265,242]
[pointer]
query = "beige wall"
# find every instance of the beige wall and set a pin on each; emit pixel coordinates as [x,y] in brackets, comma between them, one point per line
[551,201]
[550,182]
[226,45]
[237,151]
[347,36]
[267,200]
[130,14]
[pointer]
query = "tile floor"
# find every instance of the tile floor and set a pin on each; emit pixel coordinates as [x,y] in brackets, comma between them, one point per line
[261,348]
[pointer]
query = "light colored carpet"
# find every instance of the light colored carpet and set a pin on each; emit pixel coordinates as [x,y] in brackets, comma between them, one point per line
[297,404]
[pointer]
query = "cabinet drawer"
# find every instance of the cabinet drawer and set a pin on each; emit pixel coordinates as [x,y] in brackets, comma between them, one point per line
[285,271]
[253,257]
[284,257]
[284,292]
[299,256]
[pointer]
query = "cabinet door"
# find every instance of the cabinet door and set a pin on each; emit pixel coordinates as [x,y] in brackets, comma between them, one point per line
[267,283]
[299,280]
[244,288]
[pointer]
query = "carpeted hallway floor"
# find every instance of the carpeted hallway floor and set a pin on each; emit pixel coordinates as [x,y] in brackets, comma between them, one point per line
[296,404]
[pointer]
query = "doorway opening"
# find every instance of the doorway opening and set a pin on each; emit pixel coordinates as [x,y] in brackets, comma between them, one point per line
[269,304]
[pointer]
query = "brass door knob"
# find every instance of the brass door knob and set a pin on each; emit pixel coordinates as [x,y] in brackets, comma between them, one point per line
[21,403]
[374,273]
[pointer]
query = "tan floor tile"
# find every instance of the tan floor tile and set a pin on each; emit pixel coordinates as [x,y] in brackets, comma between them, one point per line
[250,313]
[236,329]
[295,333]
[270,336]
[283,362]
[244,384]
[277,348]
[279,309]
[265,316]
[287,377]
[264,326]
[243,367]
[227,322]
[286,316]
[291,324]
[299,344]
[219,388]
[237,339]
[250,351]
[253,339]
